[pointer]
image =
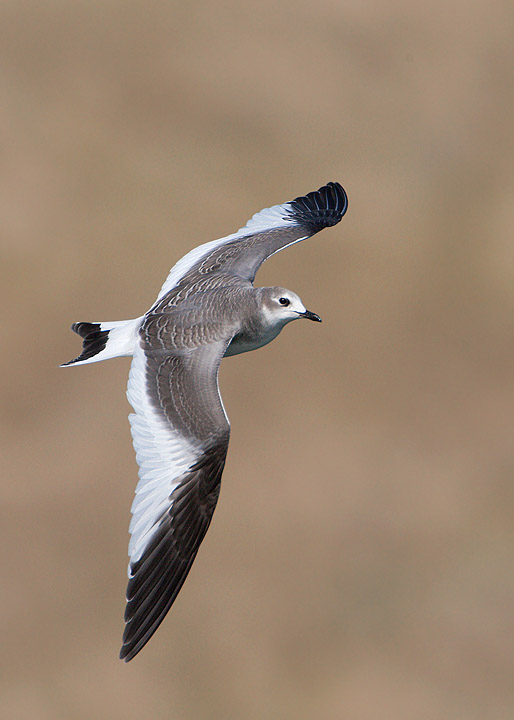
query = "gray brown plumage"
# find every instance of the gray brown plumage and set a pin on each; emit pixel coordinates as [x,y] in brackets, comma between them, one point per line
[207,309]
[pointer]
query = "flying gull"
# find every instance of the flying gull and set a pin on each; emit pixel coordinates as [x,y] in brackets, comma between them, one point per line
[207,309]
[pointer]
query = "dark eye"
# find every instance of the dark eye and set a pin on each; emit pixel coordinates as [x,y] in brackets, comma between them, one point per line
[284,301]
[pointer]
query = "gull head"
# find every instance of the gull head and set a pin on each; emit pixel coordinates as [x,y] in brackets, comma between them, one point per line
[280,306]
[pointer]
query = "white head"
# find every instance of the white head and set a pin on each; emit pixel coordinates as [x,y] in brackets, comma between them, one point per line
[281,306]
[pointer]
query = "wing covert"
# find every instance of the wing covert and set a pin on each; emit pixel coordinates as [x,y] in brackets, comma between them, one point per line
[268,232]
[180,433]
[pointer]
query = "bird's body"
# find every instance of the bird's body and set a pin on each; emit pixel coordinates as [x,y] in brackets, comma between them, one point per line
[207,309]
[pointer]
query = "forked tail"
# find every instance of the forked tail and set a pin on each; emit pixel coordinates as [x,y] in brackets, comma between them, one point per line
[104,340]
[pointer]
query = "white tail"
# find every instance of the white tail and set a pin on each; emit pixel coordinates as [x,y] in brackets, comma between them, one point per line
[104,340]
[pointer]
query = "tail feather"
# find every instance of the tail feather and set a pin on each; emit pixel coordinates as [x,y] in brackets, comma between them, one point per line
[104,340]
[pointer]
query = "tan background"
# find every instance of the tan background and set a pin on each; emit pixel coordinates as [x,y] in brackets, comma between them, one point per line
[360,561]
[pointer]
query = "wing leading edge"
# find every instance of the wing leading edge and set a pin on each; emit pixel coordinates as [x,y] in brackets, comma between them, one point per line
[265,234]
[181,436]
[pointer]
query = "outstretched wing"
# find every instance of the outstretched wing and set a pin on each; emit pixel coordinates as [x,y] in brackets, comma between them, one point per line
[240,255]
[181,433]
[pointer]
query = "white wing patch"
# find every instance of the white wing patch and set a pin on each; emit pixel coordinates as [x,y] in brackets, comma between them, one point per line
[269,219]
[163,456]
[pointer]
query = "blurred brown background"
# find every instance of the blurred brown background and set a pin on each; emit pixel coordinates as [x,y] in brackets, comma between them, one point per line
[360,560]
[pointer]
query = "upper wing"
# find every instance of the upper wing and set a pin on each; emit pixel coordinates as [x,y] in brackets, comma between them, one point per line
[269,231]
[180,432]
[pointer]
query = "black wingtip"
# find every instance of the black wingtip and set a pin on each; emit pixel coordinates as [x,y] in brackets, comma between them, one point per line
[126,655]
[321,208]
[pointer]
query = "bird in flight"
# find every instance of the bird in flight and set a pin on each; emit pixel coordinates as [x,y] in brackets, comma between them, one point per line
[207,309]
